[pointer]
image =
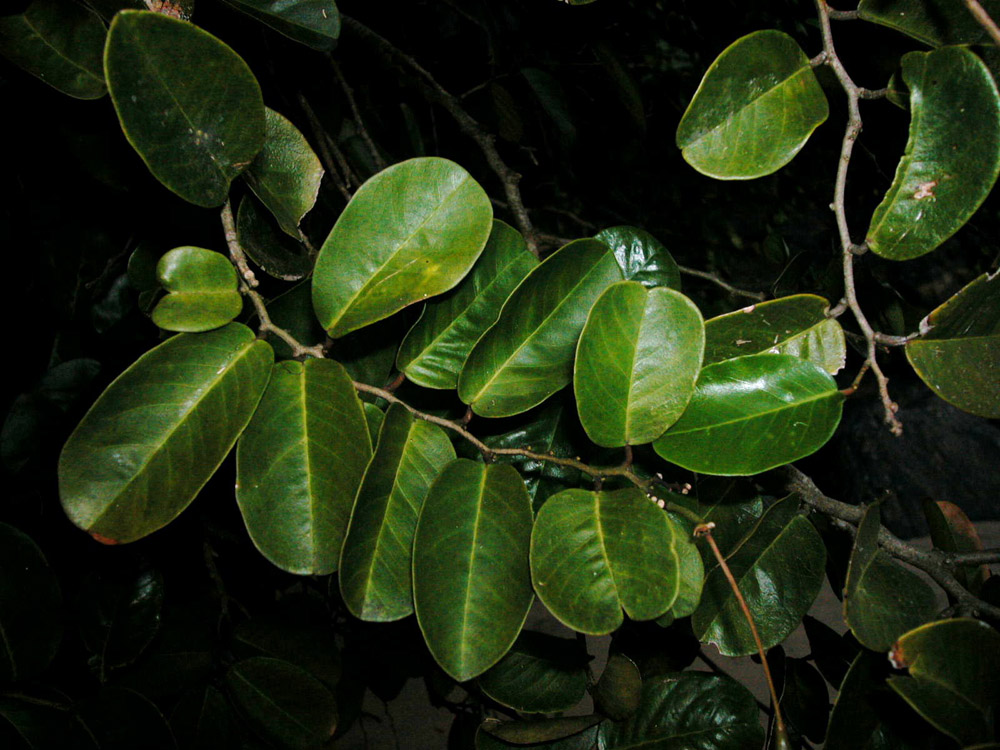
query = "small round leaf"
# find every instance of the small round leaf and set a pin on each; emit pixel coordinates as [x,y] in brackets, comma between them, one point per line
[201,291]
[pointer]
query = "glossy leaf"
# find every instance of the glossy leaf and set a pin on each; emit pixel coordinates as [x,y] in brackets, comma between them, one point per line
[156,435]
[641,257]
[266,245]
[540,674]
[618,693]
[953,532]
[882,599]
[188,104]
[950,162]
[376,562]
[30,607]
[315,23]
[433,352]
[779,567]
[282,702]
[934,22]
[471,584]
[733,505]
[201,290]
[527,355]
[60,42]
[378,260]
[299,464]
[958,353]
[596,553]
[692,571]
[795,325]
[755,109]
[954,679]
[121,719]
[752,414]
[285,174]
[636,363]
[688,710]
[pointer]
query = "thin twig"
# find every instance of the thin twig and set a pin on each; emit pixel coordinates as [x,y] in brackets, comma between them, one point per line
[759,296]
[982,557]
[844,15]
[236,253]
[356,114]
[984,20]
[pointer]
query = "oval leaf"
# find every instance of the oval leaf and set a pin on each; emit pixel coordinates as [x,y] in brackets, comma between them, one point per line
[619,691]
[752,414]
[641,257]
[596,553]
[433,352]
[934,22]
[61,43]
[266,245]
[299,464]
[376,562]
[187,103]
[559,733]
[692,572]
[201,290]
[377,261]
[636,363]
[160,430]
[779,567]
[755,109]
[855,716]
[527,355]
[952,157]
[958,355]
[795,325]
[471,543]
[315,23]
[953,532]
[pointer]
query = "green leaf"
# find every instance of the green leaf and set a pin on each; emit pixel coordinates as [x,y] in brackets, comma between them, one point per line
[882,599]
[30,724]
[958,352]
[61,43]
[282,702]
[376,562]
[934,22]
[692,572]
[315,23]
[560,733]
[187,103]
[296,634]
[527,355]
[292,310]
[30,607]
[121,719]
[299,464]
[953,532]
[203,720]
[954,679]
[596,553]
[201,290]
[433,352]
[795,325]
[952,157]
[805,699]
[779,568]
[733,505]
[755,109]
[285,174]
[471,544]
[540,674]
[376,262]
[641,257]
[266,245]
[688,710]
[159,432]
[374,417]
[619,691]
[752,414]
[636,363]
[854,718]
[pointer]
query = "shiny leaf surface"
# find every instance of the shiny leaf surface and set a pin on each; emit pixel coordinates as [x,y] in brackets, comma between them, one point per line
[315,23]
[755,109]
[471,583]
[934,22]
[265,244]
[201,290]
[752,414]
[299,464]
[950,162]
[641,257]
[410,232]
[156,435]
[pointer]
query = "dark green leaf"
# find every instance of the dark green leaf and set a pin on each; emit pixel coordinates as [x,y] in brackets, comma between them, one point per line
[619,691]
[692,572]
[958,353]
[375,565]
[203,720]
[641,257]
[266,245]
[299,464]
[552,97]
[935,22]
[805,700]
[376,262]
[795,325]
[527,355]
[201,290]
[636,363]
[595,553]
[952,157]
[832,652]
[315,23]
[374,417]
[734,505]
[564,733]
[433,352]
[120,719]
[882,599]
[755,109]
[188,104]
[61,43]
[29,725]
[752,414]
[160,430]
[296,635]
[292,310]
[953,532]
[779,567]
[471,543]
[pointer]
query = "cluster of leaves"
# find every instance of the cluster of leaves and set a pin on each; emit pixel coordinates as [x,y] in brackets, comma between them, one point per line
[390,497]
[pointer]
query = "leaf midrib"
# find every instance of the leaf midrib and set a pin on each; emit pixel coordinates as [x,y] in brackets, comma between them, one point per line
[58,52]
[755,415]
